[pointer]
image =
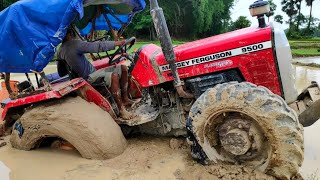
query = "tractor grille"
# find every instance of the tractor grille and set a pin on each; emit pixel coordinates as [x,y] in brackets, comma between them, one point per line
[200,84]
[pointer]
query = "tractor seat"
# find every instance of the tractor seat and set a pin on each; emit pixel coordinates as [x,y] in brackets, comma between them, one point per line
[55,78]
[65,73]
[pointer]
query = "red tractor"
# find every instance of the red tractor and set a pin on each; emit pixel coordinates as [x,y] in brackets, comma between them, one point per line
[228,94]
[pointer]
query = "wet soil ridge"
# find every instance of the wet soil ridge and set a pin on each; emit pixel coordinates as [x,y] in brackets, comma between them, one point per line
[315,65]
[308,61]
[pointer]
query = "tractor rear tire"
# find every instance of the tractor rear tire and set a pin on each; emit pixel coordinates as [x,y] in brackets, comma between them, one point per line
[248,125]
[86,126]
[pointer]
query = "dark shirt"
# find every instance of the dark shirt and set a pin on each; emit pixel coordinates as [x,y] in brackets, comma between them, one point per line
[73,52]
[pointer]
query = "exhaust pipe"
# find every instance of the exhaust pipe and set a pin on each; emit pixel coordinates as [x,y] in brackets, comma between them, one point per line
[161,27]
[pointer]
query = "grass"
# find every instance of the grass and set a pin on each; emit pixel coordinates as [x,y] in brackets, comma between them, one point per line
[139,44]
[305,52]
[312,45]
[315,39]
[305,48]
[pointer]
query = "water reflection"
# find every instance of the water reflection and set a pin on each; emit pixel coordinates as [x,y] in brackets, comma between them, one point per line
[304,76]
[311,165]
[308,60]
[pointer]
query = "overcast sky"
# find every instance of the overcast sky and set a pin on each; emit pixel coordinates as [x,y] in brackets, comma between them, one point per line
[241,8]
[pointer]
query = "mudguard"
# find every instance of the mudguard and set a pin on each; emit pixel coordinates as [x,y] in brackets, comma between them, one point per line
[59,90]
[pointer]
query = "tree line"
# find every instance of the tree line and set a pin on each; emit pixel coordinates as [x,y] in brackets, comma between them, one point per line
[192,19]
[186,19]
[299,24]
[5,3]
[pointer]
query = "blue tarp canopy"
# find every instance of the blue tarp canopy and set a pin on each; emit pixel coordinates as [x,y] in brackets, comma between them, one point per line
[101,24]
[117,19]
[31,30]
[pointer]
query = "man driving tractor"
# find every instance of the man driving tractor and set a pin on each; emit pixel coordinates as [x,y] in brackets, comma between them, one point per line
[72,51]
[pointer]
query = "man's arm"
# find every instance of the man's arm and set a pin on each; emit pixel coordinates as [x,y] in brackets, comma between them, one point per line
[98,46]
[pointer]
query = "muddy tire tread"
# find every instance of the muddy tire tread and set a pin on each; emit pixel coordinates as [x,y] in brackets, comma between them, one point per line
[281,123]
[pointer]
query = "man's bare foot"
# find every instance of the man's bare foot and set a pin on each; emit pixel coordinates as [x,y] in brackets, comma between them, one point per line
[129,102]
[126,115]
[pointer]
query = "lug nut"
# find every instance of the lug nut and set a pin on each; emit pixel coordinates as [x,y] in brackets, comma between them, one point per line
[240,126]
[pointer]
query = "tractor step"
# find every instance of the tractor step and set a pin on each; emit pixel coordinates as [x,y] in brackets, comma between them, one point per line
[146,113]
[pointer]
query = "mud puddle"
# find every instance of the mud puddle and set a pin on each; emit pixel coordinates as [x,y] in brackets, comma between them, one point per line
[145,158]
[304,76]
[311,165]
[308,60]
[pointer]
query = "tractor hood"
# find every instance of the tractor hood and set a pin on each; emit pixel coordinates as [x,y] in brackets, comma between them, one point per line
[32,29]
[203,56]
[258,55]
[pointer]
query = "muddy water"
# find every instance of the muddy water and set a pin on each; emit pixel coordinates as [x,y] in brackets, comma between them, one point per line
[304,76]
[311,164]
[154,161]
[308,60]
[145,158]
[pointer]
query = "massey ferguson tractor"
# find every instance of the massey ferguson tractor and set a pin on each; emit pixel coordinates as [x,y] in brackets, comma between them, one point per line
[233,95]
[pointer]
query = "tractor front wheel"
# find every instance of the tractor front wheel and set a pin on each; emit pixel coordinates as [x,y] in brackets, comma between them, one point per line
[86,126]
[248,125]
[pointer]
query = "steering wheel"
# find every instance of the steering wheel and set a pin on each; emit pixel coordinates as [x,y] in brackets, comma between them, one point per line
[122,50]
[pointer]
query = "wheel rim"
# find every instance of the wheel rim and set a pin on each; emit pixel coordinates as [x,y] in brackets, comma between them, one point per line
[235,137]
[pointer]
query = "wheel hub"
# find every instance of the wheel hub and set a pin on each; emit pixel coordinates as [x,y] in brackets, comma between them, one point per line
[234,136]
[236,141]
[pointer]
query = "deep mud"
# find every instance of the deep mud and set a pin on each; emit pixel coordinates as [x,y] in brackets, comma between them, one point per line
[145,158]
